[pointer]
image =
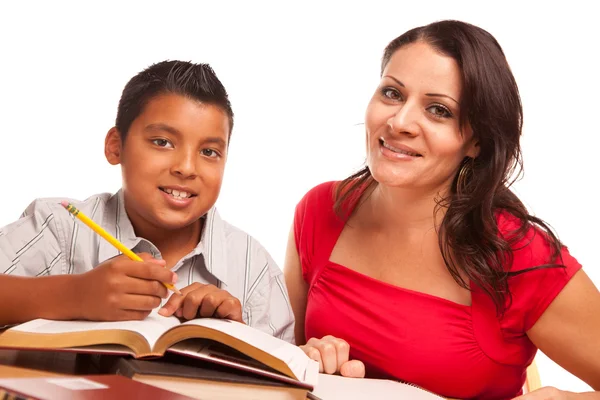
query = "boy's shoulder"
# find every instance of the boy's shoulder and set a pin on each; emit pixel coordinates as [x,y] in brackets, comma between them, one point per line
[237,237]
[240,244]
[51,205]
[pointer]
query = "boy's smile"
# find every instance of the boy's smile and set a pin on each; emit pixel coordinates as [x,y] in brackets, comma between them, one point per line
[178,196]
[172,161]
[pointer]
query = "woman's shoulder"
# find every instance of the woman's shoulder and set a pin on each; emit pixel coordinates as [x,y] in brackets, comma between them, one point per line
[322,192]
[319,199]
[540,266]
[531,244]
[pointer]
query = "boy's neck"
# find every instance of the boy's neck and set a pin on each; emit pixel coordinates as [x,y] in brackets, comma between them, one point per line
[171,243]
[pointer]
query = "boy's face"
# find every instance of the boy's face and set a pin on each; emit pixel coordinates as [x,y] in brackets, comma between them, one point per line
[172,161]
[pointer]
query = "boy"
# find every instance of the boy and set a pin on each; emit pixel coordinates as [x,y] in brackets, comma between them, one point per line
[171,137]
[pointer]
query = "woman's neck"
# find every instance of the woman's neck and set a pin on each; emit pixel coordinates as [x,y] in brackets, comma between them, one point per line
[394,208]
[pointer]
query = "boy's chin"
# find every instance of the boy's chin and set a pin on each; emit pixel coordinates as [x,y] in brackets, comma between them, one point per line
[175,222]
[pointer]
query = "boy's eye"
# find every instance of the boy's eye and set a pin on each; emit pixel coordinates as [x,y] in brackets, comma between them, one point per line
[162,143]
[209,153]
[439,111]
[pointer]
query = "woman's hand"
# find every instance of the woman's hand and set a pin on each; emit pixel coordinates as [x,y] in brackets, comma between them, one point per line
[547,393]
[333,356]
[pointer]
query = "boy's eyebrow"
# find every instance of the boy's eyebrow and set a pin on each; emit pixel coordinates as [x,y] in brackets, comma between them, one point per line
[164,127]
[216,140]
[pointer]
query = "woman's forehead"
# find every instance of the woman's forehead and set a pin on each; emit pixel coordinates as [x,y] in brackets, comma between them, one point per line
[419,66]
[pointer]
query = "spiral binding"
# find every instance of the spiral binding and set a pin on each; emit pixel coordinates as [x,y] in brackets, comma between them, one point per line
[423,389]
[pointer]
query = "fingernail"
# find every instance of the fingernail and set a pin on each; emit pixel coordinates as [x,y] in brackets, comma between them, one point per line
[163,311]
[174,278]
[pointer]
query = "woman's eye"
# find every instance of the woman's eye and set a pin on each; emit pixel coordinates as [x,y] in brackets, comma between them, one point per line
[209,153]
[162,143]
[391,94]
[439,111]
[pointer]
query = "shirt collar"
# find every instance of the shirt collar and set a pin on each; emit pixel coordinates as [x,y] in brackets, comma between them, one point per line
[116,222]
[214,246]
[212,240]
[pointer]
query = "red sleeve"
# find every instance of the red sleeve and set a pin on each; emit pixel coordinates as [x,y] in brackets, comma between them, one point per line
[533,291]
[311,210]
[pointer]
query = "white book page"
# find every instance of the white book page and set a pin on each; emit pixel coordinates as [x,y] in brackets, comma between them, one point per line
[305,369]
[151,327]
[220,354]
[331,387]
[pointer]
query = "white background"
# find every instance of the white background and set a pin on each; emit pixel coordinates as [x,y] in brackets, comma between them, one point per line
[299,76]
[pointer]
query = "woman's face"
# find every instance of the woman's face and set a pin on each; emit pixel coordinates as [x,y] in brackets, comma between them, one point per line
[414,139]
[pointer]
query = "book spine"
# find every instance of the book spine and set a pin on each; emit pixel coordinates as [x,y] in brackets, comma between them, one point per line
[115,366]
[123,368]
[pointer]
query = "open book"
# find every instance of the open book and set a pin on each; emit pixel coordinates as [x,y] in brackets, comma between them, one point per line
[220,341]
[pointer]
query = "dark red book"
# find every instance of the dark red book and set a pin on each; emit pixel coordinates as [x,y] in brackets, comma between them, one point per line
[87,387]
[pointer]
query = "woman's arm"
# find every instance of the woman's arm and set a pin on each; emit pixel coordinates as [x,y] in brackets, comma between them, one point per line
[569,333]
[296,286]
[332,354]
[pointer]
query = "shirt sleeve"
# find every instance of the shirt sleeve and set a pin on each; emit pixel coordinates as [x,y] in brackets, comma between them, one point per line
[314,208]
[268,306]
[32,245]
[533,290]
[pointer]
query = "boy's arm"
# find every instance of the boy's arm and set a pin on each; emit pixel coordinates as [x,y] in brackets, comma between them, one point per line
[30,249]
[25,298]
[34,245]
[35,281]
[268,307]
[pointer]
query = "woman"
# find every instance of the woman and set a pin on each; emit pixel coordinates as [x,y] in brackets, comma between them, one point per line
[424,266]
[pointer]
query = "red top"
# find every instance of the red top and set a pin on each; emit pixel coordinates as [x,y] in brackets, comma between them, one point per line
[451,349]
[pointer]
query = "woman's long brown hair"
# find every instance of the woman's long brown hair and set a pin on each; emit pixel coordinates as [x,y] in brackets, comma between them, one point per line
[469,238]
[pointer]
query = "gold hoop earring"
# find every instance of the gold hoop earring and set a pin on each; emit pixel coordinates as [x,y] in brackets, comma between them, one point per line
[465,172]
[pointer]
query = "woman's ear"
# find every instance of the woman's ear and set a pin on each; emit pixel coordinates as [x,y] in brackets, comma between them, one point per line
[473,149]
[113,146]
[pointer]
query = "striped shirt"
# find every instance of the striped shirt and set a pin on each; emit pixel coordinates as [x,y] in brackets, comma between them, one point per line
[48,240]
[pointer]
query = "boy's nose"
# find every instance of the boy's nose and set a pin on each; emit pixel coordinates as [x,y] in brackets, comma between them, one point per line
[184,166]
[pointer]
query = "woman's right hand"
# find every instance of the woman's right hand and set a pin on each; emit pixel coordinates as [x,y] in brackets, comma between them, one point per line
[333,356]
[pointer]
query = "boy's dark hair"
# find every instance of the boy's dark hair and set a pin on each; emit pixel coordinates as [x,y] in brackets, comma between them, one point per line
[195,81]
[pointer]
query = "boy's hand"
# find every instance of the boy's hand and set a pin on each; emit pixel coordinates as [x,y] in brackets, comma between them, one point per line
[198,300]
[122,289]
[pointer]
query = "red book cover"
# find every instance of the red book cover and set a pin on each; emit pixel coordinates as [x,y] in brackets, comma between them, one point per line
[87,387]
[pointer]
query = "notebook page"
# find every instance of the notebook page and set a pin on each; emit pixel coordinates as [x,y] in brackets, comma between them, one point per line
[151,327]
[331,387]
[303,367]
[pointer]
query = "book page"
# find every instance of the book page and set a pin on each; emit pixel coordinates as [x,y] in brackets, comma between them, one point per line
[151,327]
[305,369]
[338,387]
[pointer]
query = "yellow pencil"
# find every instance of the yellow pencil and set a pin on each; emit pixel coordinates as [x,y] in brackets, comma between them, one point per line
[111,239]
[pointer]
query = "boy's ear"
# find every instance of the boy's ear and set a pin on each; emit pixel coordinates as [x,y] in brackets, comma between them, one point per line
[113,146]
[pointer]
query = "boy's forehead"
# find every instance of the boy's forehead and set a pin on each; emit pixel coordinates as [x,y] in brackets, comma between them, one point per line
[181,115]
